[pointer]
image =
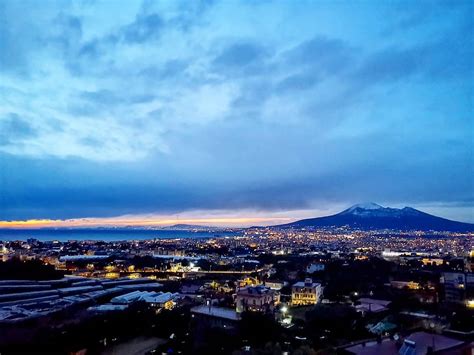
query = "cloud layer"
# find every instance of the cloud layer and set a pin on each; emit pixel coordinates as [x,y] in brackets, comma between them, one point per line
[112,108]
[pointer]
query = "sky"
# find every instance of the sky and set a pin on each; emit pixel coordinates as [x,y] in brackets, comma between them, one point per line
[233,112]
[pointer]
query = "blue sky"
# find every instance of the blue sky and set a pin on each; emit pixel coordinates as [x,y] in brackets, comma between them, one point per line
[255,108]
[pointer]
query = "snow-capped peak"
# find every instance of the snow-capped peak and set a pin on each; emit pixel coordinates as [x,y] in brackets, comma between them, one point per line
[365,206]
[371,209]
[366,209]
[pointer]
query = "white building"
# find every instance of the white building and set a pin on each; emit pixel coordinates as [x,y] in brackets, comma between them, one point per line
[306,293]
[165,300]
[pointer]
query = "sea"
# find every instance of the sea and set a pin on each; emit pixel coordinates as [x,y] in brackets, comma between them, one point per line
[107,235]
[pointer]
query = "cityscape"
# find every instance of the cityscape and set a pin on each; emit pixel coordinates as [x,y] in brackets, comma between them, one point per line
[254,290]
[236,177]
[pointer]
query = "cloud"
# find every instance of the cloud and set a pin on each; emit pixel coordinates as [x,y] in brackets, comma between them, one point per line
[327,55]
[145,27]
[67,32]
[168,106]
[14,129]
[240,55]
[439,60]
[300,81]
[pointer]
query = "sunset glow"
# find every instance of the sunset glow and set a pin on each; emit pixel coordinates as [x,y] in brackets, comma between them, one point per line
[137,221]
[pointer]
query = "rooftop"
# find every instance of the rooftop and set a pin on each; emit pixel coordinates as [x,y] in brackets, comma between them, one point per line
[421,340]
[217,312]
[255,290]
[303,284]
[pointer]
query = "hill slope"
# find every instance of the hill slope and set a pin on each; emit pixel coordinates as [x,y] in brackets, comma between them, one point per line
[371,216]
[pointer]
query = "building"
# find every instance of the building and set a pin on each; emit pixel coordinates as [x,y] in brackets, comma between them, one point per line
[458,286]
[161,300]
[208,317]
[409,285]
[248,281]
[166,300]
[305,293]
[424,293]
[256,298]
[372,305]
[217,316]
[275,285]
[415,343]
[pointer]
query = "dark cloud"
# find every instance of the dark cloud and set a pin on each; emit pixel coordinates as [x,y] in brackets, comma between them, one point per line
[15,54]
[299,81]
[191,14]
[360,170]
[408,16]
[240,54]
[14,129]
[169,70]
[97,47]
[392,65]
[67,33]
[450,57]
[242,58]
[105,97]
[326,55]
[146,27]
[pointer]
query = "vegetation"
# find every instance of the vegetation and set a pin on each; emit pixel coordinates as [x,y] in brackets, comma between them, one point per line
[15,269]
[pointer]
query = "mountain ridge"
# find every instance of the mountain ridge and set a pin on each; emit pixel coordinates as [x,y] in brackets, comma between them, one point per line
[371,216]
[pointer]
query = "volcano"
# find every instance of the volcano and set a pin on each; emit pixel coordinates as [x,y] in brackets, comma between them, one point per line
[371,216]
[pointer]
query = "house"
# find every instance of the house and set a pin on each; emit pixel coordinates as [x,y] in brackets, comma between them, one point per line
[161,300]
[458,286]
[275,285]
[256,298]
[305,293]
[248,281]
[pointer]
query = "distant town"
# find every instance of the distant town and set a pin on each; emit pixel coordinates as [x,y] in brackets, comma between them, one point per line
[262,291]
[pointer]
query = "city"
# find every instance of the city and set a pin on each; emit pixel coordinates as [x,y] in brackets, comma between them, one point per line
[263,289]
[242,177]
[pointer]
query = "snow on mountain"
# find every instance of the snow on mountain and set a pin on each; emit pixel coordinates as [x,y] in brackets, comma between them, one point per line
[371,209]
[373,216]
[365,206]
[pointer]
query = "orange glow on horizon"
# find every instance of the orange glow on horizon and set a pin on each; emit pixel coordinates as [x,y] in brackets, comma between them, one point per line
[142,221]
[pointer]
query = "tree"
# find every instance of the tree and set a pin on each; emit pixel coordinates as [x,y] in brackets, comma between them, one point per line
[15,269]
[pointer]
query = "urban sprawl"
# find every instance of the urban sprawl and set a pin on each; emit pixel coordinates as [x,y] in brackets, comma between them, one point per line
[263,291]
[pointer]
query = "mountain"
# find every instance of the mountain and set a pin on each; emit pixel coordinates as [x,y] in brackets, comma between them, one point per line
[370,216]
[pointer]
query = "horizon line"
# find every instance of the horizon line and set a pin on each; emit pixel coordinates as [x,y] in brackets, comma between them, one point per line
[204,218]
